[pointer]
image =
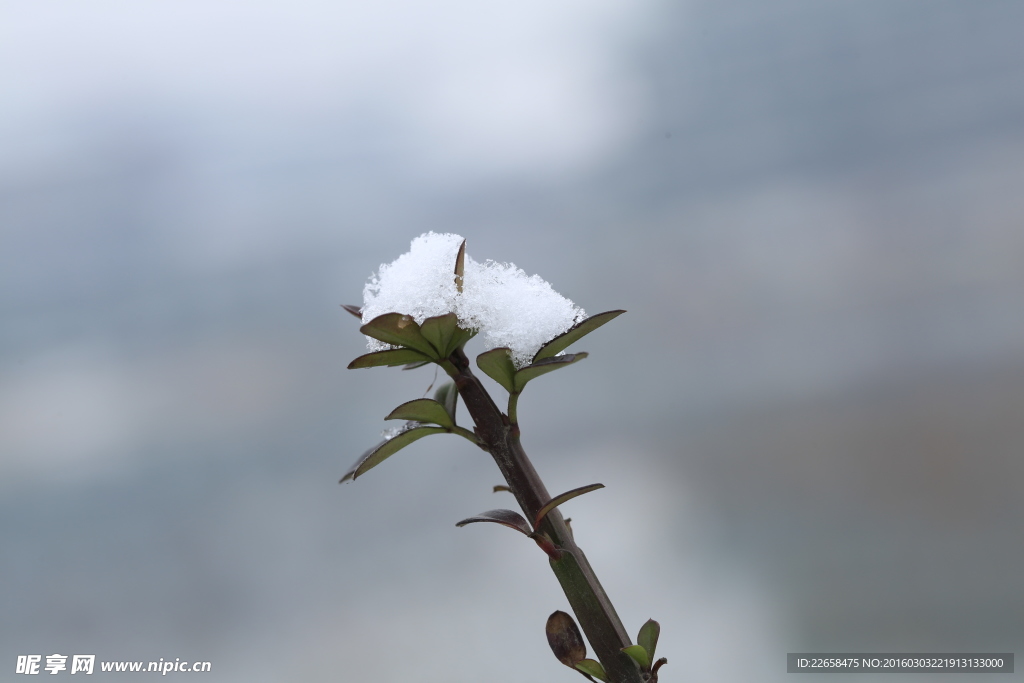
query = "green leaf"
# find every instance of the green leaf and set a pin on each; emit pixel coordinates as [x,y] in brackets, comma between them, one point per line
[444,334]
[565,639]
[389,357]
[574,333]
[543,367]
[422,410]
[400,330]
[648,636]
[497,364]
[387,448]
[639,655]
[593,668]
[558,500]
[417,364]
[439,331]
[448,396]
[459,339]
[509,518]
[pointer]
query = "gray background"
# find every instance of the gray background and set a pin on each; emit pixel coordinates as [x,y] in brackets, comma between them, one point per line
[809,422]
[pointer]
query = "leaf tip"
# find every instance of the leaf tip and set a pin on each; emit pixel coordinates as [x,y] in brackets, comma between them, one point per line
[460,266]
[562,498]
[648,636]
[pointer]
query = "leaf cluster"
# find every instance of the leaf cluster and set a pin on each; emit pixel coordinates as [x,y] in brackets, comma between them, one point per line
[434,341]
[568,646]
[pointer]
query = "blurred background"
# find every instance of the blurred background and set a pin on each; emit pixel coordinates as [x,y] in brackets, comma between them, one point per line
[809,422]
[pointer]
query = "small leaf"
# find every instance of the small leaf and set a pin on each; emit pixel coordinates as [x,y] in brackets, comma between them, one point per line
[417,364]
[648,636]
[387,448]
[448,396]
[574,333]
[543,367]
[501,487]
[389,357]
[422,410]
[639,655]
[439,331]
[497,364]
[459,339]
[460,266]
[354,310]
[400,330]
[593,668]
[565,639]
[558,500]
[509,518]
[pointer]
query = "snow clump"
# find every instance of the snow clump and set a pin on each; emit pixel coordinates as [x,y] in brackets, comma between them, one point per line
[505,305]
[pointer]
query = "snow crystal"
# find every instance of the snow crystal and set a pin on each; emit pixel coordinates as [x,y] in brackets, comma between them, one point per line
[513,309]
[391,433]
[420,283]
[504,304]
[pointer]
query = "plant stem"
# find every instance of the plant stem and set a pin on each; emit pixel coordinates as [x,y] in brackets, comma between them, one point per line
[500,437]
[513,406]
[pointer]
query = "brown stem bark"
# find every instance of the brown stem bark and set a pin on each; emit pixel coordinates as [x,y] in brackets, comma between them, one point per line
[593,609]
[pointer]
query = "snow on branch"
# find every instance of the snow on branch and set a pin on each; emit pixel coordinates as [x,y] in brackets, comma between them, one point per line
[505,305]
